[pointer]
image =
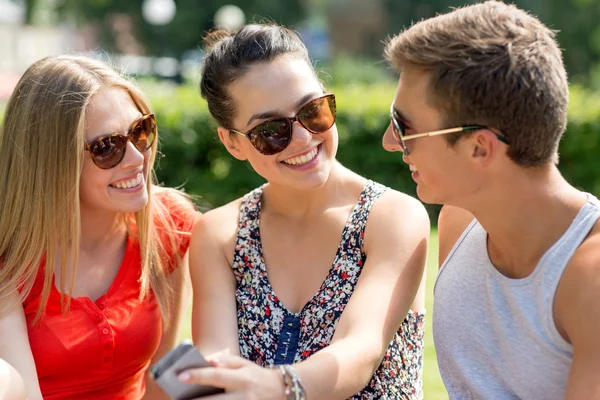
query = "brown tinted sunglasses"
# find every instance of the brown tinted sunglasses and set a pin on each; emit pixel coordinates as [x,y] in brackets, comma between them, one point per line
[273,136]
[109,150]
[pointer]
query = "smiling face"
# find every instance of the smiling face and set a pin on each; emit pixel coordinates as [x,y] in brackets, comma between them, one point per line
[444,174]
[274,90]
[121,189]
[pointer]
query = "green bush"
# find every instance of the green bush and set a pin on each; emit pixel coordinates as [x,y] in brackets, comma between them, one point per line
[580,147]
[193,156]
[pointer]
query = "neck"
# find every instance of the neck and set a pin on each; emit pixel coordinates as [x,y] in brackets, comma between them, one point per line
[100,228]
[524,214]
[301,204]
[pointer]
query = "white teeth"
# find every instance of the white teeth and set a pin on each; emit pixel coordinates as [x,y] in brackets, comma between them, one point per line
[413,168]
[130,183]
[300,160]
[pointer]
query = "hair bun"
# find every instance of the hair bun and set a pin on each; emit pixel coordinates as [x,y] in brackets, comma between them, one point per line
[215,37]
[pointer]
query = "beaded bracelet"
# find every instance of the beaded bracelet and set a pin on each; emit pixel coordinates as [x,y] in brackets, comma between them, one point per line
[292,383]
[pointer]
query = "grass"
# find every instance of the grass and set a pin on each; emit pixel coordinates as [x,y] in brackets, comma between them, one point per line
[432,382]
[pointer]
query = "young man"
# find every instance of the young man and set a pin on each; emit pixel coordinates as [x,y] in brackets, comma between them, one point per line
[479,111]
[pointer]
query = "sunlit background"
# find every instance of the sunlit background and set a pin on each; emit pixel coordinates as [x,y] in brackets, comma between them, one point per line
[159,42]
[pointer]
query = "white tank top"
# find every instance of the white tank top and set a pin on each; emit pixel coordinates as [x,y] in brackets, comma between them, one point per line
[495,336]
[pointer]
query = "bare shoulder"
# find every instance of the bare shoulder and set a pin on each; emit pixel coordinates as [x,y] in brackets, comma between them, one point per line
[576,301]
[452,222]
[217,225]
[397,216]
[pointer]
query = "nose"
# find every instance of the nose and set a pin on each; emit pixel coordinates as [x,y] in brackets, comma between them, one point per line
[388,141]
[300,135]
[133,157]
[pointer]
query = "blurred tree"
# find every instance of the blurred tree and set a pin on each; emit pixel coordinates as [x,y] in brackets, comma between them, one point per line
[29,5]
[189,25]
[575,20]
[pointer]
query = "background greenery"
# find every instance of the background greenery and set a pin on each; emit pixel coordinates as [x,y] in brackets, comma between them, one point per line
[195,158]
[575,21]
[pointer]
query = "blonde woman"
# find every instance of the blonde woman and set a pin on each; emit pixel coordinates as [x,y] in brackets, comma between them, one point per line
[93,253]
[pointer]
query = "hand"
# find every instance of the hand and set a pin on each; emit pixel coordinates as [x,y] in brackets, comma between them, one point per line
[241,379]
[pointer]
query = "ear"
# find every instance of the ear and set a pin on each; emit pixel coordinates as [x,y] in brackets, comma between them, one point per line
[231,143]
[484,147]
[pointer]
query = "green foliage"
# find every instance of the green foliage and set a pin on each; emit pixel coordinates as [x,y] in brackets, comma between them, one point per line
[575,22]
[190,23]
[580,147]
[345,69]
[194,157]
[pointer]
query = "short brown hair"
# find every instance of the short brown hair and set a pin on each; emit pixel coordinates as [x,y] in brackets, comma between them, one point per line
[495,65]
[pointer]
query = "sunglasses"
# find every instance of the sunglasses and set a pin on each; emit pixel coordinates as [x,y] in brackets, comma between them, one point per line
[273,136]
[109,150]
[399,131]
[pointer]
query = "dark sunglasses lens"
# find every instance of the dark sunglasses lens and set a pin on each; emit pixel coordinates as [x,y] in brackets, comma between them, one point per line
[108,151]
[271,137]
[143,133]
[397,125]
[318,115]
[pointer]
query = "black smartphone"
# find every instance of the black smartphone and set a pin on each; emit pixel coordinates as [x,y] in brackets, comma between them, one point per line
[182,357]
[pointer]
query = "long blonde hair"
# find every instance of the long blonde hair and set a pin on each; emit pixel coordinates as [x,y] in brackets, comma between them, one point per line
[41,156]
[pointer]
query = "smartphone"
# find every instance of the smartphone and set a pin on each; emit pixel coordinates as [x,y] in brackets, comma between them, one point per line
[166,370]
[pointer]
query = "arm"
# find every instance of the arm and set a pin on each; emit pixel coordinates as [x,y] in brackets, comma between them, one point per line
[11,383]
[452,222]
[214,314]
[396,246]
[577,318]
[170,337]
[14,346]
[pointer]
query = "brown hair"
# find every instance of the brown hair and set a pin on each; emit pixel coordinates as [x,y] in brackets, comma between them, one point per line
[495,65]
[229,56]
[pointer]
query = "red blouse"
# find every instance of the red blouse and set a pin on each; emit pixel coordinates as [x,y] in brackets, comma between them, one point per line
[101,349]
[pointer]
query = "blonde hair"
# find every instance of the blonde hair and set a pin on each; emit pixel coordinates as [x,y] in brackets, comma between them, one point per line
[41,155]
[495,65]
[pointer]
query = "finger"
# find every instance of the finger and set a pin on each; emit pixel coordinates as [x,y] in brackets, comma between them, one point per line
[224,396]
[213,358]
[228,361]
[224,352]
[227,379]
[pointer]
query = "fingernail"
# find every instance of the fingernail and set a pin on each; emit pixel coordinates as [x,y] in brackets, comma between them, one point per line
[184,377]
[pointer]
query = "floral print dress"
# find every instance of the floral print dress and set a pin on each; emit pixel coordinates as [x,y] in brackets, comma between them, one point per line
[270,334]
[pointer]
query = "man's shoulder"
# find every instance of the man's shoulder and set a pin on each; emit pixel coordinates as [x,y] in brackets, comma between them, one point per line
[585,263]
[452,222]
[578,290]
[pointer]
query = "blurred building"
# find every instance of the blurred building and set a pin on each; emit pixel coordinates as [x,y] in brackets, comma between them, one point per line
[21,45]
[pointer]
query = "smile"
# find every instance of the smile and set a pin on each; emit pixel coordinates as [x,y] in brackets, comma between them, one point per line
[303,159]
[131,183]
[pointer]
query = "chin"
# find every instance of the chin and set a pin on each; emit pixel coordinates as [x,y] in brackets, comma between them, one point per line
[133,206]
[427,197]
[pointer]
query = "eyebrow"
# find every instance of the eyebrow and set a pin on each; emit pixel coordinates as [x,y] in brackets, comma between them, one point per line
[401,116]
[274,113]
[126,133]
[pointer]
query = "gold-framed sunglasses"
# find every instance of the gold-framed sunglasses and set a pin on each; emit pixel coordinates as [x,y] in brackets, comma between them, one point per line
[399,131]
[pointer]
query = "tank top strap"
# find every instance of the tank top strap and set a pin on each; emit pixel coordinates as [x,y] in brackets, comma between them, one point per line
[248,232]
[357,222]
